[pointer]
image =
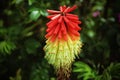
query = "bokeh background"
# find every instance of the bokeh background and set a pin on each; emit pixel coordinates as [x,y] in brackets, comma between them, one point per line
[22,31]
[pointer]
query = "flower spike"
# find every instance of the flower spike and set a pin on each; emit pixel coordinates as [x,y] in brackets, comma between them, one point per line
[63,40]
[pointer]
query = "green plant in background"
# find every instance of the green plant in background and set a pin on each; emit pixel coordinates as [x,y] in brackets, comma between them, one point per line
[84,70]
[6,47]
[22,31]
[38,73]
[18,75]
[111,72]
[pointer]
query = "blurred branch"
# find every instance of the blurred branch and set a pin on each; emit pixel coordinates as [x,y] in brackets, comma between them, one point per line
[28,29]
[18,75]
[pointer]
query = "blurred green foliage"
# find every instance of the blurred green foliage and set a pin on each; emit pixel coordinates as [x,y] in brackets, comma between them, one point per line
[22,31]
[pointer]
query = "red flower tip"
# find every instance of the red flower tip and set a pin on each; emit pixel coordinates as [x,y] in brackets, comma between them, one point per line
[62,23]
[63,9]
[72,8]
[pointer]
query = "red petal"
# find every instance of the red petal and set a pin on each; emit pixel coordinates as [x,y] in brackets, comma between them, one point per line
[72,15]
[57,29]
[63,28]
[50,28]
[55,17]
[73,31]
[49,23]
[53,11]
[53,38]
[60,19]
[72,18]
[76,26]
[64,7]
[61,8]
[70,25]
[76,21]
[50,16]
[60,34]
[67,9]
[49,33]
[76,33]
[72,8]
[65,19]
[73,25]
[52,23]
[65,37]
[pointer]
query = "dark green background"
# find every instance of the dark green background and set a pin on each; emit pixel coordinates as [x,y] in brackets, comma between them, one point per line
[22,31]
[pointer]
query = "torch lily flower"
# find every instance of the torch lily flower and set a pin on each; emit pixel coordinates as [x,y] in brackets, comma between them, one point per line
[63,39]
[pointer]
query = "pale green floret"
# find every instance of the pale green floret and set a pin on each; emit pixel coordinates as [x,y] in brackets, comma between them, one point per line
[62,53]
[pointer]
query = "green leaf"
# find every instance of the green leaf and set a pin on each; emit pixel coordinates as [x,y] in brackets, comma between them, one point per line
[52,78]
[90,23]
[34,15]
[43,12]
[39,72]
[31,45]
[103,20]
[18,75]
[114,70]
[91,33]
[3,31]
[16,1]
[7,47]
[30,2]
[84,71]
[1,23]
